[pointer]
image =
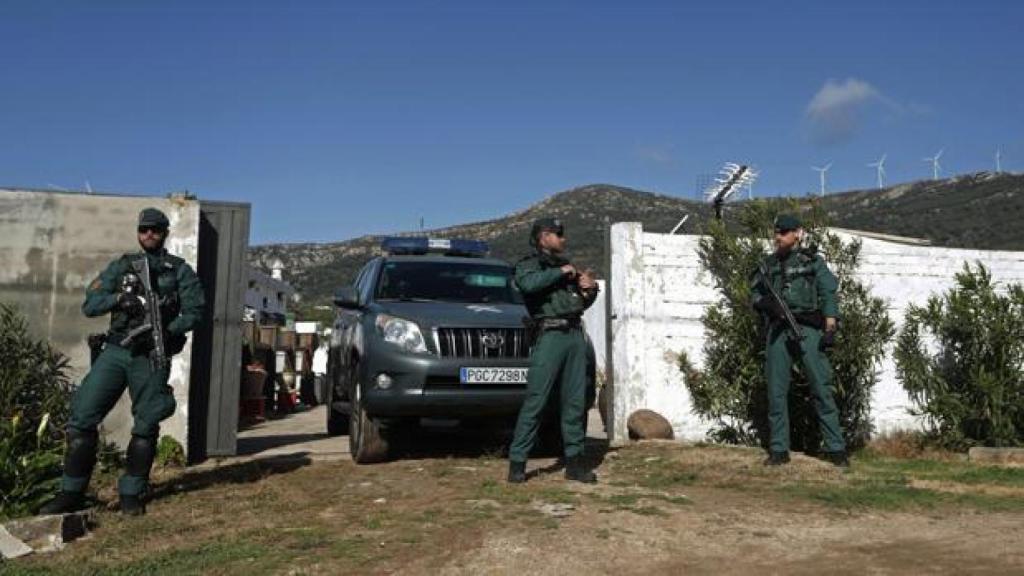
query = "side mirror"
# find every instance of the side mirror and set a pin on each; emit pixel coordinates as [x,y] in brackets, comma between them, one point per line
[346,297]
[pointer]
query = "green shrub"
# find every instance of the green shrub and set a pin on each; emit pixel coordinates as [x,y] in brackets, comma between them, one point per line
[29,466]
[731,389]
[34,406]
[961,359]
[169,452]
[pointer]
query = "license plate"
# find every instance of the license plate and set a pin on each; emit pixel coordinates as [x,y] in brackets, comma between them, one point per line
[493,375]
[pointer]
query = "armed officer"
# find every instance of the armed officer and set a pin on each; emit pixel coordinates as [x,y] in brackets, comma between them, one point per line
[556,294]
[128,359]
[808,288]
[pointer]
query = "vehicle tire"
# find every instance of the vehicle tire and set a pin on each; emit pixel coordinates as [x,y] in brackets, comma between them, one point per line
[337,421]
[367,442]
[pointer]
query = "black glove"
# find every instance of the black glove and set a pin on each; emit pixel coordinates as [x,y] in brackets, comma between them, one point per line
[770,307]
[130,304]
[828,339]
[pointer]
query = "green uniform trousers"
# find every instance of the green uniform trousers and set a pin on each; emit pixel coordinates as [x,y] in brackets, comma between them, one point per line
[152,401]
[559,356]
[778,366]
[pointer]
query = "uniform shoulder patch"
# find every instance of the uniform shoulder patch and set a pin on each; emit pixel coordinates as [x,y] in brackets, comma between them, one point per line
[96,284]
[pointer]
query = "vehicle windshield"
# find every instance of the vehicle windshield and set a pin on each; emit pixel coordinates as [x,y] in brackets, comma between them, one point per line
[448,282]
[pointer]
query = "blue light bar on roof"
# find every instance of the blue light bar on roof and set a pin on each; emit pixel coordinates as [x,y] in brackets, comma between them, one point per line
[422,245]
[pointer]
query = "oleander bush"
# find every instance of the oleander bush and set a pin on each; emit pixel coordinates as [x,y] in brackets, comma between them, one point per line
[34,406]
[960,357]
[730,388]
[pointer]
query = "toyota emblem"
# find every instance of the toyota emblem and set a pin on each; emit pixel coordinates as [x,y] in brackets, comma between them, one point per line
[492,340]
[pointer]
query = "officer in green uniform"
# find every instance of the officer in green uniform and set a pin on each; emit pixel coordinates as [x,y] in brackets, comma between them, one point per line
[128,363]
[556,295]
[808,287]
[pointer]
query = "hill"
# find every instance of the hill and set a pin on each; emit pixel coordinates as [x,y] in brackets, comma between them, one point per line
[981,210]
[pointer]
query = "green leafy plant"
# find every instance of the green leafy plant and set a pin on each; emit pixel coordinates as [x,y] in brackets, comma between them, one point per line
[169,452]
[961,359]
[34,406]
[109,457]
[29,466]
[731,389]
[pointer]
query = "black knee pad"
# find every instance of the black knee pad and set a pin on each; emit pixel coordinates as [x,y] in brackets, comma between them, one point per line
[139,455]
[81,452]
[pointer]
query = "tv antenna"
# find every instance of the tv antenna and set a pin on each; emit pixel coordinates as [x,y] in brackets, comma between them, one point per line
[880,169]
[935,163]
[681,222]
[731,178]
[821,172]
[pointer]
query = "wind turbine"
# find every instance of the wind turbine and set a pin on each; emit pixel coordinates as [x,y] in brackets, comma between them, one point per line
[999,157]
[935,163]
[822,172]
[880,169]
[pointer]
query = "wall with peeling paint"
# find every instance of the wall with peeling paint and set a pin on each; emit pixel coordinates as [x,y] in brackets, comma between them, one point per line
[53,244]
[658,293]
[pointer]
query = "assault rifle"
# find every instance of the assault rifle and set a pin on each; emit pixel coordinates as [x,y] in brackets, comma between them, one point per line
[154,322]
[792,327]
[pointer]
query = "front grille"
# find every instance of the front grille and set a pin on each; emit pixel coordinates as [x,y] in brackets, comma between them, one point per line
[481,343]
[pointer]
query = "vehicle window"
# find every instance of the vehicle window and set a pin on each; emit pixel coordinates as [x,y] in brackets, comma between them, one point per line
[366,277]
[447,281]
[359,277]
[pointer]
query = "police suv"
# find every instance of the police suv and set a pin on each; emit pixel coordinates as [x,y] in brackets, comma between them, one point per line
[433,328]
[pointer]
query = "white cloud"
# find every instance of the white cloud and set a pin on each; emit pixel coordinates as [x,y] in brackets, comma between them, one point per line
[663,155]
[835,113]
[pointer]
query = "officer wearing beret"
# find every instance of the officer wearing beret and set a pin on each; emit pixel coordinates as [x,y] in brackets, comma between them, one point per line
[556,294]
[126,361]
[808,287]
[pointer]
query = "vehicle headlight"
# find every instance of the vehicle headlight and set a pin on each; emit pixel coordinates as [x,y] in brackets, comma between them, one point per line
[401,332]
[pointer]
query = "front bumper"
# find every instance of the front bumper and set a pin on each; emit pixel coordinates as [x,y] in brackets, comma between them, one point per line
[428,386]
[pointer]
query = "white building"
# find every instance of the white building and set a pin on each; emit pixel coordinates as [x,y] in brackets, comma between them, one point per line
[267,296]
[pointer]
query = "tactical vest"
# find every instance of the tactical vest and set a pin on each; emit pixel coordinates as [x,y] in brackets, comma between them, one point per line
[562,300]
[794,278]
[164,279]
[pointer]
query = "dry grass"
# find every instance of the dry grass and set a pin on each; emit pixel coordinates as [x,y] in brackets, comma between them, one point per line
[457,515]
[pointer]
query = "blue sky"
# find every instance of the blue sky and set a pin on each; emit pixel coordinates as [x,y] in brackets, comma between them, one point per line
[336,119]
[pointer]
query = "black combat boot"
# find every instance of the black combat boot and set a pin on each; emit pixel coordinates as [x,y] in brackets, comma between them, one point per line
[576,470]
[777,459]
[516,472]
[135,483]
[132,505]
[839,458]
[64,503]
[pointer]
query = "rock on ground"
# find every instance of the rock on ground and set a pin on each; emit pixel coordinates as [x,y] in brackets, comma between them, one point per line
[1005,456]
[46,533]
[648,425]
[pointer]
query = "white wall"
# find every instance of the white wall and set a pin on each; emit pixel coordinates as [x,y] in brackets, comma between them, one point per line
[594,323]
[658,293]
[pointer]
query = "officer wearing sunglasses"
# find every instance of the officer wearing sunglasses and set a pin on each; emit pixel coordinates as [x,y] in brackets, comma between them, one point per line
[125,362]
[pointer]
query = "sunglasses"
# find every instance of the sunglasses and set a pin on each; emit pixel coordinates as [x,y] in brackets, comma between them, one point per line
[153,229]
[558,233]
